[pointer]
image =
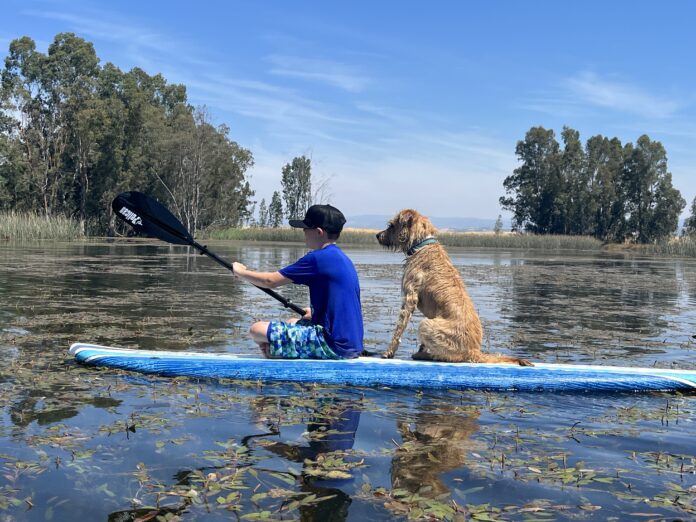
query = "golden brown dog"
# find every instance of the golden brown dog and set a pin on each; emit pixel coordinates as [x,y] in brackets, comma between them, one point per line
[451,330]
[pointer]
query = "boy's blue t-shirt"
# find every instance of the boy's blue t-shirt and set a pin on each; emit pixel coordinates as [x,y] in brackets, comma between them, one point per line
[334,292]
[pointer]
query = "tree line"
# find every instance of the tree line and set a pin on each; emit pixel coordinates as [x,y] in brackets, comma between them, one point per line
[299,192]
[605,189]
[73,134]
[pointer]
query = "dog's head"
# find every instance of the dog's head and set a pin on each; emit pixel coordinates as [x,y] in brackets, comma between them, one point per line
[406,229]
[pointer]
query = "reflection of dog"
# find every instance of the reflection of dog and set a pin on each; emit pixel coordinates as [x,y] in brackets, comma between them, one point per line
[451,330]
[439,443]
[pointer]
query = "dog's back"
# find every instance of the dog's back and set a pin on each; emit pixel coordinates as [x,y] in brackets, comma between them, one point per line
[442,292]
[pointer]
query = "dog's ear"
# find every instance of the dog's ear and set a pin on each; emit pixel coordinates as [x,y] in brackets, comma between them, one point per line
[407,217]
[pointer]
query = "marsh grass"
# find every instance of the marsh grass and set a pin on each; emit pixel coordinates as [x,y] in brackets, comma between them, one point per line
[456,239]
[522,241]
[684,246]
[28,226]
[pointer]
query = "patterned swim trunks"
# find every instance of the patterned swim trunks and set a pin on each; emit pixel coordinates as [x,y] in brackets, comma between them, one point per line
[302,340]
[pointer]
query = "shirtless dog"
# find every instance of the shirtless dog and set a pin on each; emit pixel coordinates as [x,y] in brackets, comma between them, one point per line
[451,330]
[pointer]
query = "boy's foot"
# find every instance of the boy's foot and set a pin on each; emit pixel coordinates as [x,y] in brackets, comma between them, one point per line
[264,350]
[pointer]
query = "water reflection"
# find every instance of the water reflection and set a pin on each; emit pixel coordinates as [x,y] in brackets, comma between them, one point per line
[593,306]
[331,428]
[433,444]
[47,403]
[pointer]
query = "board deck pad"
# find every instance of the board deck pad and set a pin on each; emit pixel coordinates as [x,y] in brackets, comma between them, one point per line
[374,371]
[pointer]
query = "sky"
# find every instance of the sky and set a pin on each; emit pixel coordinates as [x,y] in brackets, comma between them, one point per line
[403,103]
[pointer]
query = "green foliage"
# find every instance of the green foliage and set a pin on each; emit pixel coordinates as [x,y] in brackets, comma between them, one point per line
[606,190]
[73,134]
[297,187]
[536,184]
[690,222]
[275,211]
[652,204]
[498,227]
[263,214]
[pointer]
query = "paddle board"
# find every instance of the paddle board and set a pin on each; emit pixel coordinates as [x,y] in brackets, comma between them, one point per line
[373,371]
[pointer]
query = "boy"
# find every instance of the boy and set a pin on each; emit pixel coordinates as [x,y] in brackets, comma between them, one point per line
[332,328]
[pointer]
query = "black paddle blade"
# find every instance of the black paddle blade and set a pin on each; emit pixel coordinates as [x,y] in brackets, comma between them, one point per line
[149,217]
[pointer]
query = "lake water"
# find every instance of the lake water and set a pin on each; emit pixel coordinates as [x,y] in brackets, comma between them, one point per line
[90,444]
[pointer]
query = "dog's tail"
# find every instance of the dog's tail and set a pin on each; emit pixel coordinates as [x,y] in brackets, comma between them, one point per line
[488,358]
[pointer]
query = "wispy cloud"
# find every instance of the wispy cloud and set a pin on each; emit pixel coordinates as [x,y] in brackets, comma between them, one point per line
[574,95]
[105,28]
[387,114]
[264,101]
[142,44]
[323,71]
[623,97]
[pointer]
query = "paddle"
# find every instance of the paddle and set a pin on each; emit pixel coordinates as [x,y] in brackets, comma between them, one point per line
[150,217]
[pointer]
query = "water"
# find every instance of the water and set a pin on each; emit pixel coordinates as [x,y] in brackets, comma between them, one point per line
[79,442]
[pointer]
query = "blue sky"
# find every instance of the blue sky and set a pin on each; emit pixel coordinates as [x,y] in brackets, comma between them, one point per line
[404,103]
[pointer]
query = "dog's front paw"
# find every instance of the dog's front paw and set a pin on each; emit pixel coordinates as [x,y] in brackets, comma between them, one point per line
[389,354]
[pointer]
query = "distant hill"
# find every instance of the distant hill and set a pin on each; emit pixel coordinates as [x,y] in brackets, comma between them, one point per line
[377,221]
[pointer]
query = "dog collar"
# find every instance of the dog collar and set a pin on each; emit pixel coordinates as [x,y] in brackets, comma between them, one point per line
[415,248]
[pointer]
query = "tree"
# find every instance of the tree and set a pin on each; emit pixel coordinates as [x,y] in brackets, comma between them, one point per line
[263,214]
[322,191]
[275,211]
[604,165]
[606,189]
[668,207]
[535,186]
[74,70]
[296,182]
[652,205]
[575,205]
[498,227]
[29,93]
[690,222]
[73,134]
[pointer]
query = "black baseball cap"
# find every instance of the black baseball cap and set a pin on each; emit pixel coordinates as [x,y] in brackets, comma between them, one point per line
[321,216]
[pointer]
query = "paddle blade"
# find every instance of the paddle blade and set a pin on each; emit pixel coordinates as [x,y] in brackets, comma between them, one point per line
[149,217]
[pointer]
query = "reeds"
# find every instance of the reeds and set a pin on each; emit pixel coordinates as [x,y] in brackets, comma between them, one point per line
[519,241]
[459,239]
[684,246]
[28,226]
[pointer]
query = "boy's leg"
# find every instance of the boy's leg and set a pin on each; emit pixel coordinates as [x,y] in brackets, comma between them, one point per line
[297,339]
[259,334]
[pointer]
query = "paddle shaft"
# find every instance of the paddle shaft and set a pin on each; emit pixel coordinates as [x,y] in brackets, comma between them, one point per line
[176,233]
[284,301]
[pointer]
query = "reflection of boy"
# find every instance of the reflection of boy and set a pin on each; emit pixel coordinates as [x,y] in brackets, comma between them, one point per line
[333,327]
[332,429]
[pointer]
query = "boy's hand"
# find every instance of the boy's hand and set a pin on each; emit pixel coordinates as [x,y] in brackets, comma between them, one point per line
[238,268]
[308,314]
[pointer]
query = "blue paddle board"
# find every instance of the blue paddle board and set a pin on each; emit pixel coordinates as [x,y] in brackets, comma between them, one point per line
[373,371]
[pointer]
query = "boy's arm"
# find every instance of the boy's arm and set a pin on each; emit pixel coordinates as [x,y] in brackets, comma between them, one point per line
[262,279]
